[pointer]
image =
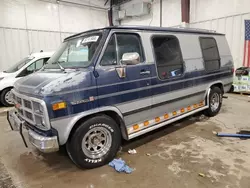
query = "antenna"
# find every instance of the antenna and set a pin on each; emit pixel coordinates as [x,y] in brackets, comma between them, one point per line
[32,51]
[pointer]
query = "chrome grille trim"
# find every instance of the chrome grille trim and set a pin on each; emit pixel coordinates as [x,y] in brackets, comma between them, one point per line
[20,98]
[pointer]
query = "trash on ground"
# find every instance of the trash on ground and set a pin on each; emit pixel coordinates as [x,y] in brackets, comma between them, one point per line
[201,174]
[132,151]
[148,154]
[120,166]
[214,132]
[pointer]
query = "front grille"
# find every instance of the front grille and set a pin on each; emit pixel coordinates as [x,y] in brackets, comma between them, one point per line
[29,115]
[18,100]
[27,104]
[29,110]
[20,111]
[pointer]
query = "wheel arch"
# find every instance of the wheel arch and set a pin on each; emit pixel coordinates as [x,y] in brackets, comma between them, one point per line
[218,83]
[71,124]
[9,87]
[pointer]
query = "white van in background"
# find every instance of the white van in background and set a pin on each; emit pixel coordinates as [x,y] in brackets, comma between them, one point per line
[26,66]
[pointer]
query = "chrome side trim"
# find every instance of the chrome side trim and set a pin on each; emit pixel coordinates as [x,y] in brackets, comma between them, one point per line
[167,96]
[143,131]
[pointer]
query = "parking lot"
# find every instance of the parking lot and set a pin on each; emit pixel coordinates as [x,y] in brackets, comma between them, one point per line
[184,154]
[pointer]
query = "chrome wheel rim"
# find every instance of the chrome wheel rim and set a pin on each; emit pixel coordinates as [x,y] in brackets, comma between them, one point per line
[96,142]
[8,98]
[215,102]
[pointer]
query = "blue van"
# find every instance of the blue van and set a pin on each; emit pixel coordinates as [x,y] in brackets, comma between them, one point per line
[114,83]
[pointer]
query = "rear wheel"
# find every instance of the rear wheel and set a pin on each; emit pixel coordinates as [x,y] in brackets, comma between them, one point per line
[95,142]
[215,101]
[6,98]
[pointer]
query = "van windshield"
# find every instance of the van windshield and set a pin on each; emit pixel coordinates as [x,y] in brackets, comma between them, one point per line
[19,65]
[75,53]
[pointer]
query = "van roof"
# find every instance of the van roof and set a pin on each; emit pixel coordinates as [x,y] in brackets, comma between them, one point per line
[152,28]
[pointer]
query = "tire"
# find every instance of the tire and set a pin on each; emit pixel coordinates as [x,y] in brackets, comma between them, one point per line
[82,145]
[3,96]
[215,102]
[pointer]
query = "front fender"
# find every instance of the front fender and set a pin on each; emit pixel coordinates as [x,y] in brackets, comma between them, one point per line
[64,125]
[6,84]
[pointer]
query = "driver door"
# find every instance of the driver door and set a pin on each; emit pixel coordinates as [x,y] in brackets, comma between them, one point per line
[127,87]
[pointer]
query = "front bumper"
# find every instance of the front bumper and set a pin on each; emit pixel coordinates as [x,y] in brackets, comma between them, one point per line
[42,143]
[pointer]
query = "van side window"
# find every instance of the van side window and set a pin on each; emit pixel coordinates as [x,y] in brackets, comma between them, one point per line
[127,43]
[210,53]
[120,44]
[109,56]
[168,56]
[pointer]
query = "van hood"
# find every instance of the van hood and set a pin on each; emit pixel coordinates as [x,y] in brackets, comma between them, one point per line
[47,83]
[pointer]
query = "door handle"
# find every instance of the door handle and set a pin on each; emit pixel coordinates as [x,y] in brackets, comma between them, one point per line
[144,72]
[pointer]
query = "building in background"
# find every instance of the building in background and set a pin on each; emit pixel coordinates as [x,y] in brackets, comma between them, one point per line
[32,25]
[224,16]
[28,26]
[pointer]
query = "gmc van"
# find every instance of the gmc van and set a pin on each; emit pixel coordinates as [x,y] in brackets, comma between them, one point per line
[114,83]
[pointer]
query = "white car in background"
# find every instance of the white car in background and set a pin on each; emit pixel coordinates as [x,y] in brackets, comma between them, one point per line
[26,66]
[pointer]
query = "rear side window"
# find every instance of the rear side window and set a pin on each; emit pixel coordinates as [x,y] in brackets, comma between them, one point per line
[168,56]
[210,53]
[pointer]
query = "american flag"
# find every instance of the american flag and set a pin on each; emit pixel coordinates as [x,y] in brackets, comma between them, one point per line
[246,62]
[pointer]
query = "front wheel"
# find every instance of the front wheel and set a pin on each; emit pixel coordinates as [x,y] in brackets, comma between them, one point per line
[215,102]
[6,98]
[95,142]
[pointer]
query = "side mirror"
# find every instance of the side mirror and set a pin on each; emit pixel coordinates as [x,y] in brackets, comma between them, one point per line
[132,58]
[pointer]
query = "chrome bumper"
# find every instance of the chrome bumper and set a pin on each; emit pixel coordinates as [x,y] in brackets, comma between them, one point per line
[42,143]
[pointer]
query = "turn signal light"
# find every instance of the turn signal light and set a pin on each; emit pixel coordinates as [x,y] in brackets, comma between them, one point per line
[59,105]
[135,127]
[146,123]
[157,119]
[166,116]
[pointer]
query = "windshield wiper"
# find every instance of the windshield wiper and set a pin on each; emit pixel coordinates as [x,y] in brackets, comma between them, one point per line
[59,64]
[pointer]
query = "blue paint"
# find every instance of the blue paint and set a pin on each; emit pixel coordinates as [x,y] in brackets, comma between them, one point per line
[86,86]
